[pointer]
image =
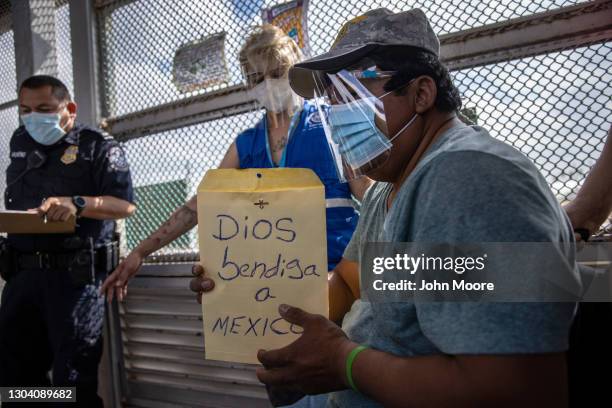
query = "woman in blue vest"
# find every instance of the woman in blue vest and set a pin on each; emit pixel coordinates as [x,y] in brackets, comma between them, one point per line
[290,134]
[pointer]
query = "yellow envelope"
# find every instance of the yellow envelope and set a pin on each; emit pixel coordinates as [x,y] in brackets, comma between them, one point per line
[262,240]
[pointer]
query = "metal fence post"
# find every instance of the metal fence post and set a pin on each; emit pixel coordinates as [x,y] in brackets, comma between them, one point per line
[85,76]
[84,60]
[34,33]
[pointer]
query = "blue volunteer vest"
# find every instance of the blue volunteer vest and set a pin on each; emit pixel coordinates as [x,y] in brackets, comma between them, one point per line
[307,147]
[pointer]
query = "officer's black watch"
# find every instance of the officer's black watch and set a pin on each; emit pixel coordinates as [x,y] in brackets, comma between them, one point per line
[80,203]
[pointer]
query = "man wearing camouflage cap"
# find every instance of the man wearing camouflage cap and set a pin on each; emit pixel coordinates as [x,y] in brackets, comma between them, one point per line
[393,117]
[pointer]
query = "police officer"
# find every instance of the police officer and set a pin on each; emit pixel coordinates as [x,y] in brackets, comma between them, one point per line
[51,315]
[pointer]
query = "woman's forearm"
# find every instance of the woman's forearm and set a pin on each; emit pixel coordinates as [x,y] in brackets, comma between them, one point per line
[185,217]
[181,221]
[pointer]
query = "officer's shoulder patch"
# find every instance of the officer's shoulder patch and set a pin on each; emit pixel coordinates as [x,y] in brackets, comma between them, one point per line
[116,159]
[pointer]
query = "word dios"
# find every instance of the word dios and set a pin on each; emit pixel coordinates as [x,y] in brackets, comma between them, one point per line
[230,228]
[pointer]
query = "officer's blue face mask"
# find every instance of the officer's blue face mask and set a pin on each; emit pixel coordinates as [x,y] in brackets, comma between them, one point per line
[353,129]
[44,128]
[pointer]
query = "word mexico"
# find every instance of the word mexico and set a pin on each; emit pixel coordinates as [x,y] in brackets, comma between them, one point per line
[254,326]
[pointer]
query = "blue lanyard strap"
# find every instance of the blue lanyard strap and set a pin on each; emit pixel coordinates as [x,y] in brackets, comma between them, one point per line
[292,126]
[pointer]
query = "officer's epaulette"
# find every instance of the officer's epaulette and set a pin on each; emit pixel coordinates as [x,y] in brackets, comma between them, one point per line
[20,130]
[97,132]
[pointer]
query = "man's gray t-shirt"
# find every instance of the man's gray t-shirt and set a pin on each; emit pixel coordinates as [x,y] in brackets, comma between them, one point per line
[468,187]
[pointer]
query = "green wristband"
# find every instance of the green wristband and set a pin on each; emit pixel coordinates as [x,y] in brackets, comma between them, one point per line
[350,359]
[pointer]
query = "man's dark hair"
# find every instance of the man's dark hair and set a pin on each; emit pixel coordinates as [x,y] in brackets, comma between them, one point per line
[411,62]
[58,89]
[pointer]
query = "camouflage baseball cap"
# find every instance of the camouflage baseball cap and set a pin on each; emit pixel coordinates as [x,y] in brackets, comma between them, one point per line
[360,36]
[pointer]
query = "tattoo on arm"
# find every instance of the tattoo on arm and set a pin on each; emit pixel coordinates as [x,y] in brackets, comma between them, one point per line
[187,217]
[179,223]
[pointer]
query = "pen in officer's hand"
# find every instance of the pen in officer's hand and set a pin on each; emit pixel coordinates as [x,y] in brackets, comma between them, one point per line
[45,214]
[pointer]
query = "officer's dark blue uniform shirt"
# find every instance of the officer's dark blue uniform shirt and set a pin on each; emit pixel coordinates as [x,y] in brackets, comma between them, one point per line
[86,162]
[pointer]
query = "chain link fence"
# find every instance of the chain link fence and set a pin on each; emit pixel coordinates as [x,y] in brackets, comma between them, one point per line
[139,38]
[555,107]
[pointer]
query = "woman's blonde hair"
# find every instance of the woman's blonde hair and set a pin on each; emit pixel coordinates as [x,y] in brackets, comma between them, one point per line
[268,49]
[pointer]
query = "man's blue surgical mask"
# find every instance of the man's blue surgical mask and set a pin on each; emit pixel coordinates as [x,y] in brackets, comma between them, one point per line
[355,132]
[44,127]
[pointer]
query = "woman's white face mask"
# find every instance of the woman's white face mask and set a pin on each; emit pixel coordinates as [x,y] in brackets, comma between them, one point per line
[275,95]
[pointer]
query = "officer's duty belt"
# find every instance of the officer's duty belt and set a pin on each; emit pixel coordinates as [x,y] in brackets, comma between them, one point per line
[102,258]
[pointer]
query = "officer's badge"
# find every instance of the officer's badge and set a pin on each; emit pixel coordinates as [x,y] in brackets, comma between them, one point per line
[70,155]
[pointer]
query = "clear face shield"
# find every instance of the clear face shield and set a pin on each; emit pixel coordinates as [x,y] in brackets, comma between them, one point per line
[350,104]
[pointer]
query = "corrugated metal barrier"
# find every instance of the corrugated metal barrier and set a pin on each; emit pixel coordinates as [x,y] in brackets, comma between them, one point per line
[163,348]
